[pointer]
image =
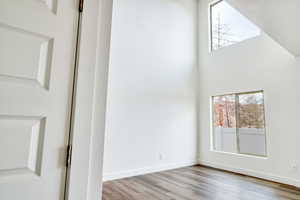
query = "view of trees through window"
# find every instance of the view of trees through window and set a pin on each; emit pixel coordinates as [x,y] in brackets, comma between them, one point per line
[251,111]
[228,26]
[239,123]
[224,113]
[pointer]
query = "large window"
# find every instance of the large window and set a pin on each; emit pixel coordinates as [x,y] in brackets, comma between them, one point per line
[228,26]
[239,123]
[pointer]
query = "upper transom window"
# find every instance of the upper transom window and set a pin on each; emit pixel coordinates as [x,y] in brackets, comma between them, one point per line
[228,26]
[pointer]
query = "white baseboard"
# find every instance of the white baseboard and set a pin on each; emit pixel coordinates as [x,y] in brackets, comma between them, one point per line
[253,173]
[146,170]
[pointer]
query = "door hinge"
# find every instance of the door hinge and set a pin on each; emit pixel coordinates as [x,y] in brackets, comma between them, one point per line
[81,2]
[69,156]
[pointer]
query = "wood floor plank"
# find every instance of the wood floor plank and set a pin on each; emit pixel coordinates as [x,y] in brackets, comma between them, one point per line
[197,183]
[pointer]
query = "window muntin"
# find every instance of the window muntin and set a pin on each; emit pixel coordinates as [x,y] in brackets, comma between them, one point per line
[228,26]
[239,123]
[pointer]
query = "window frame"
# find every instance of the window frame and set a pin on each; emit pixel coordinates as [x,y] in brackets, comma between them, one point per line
[211,5]
[212,126]
[210,24]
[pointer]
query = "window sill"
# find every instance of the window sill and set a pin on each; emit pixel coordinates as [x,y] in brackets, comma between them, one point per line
[241,154]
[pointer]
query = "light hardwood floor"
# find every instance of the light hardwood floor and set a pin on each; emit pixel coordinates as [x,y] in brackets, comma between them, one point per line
[197,183]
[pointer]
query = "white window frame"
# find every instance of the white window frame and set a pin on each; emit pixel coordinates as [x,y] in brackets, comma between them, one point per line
[210,24]
[213,3]
[237,129]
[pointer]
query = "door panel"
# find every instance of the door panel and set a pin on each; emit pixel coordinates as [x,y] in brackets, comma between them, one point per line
[37,42]
[24,154]
[34,54]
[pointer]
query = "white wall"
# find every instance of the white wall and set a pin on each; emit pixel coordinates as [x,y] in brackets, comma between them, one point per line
[255,64]
[151,114]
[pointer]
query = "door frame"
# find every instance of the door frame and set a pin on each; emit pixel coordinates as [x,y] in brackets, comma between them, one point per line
[85,173]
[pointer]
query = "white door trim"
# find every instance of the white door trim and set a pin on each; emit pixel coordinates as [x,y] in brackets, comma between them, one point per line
[85,178]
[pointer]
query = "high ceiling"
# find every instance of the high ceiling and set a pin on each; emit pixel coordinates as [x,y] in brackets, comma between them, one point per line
[280,19]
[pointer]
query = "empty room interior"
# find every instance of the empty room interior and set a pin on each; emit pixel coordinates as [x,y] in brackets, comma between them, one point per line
[200,94]
[149,100]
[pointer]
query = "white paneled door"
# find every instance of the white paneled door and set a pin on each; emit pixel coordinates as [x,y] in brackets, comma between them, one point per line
[37,42]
